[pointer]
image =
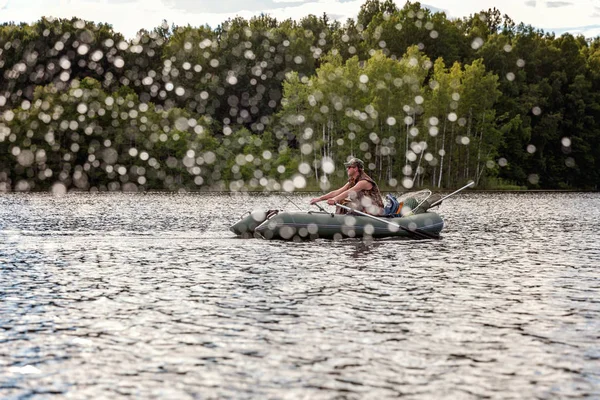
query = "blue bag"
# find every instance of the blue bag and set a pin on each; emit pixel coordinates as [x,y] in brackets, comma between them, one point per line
[392,206]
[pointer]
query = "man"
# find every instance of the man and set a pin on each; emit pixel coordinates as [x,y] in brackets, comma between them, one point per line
[360,192]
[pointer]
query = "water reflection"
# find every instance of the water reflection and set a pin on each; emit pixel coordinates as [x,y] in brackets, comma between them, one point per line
[151,296]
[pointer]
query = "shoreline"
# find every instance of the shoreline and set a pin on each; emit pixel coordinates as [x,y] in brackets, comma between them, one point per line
[262,192]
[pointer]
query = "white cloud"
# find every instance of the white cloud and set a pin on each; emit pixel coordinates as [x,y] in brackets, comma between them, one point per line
[128,17]
[539,16]
[588,31]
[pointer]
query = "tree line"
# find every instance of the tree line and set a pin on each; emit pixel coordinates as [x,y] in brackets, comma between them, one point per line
[262,104]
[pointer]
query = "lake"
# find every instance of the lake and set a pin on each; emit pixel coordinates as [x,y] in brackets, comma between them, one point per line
[149,295]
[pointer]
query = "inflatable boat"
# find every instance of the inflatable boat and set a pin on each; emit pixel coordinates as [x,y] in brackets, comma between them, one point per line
[408,216]
[273,224]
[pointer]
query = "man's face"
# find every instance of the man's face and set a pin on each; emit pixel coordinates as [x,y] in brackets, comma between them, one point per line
[352,171]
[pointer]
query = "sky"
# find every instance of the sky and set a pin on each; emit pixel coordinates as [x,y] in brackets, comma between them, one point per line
[129,16]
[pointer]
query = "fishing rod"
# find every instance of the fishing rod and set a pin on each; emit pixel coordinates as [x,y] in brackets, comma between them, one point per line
[451,194]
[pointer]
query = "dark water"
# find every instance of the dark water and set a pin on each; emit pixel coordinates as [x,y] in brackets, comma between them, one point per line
[150,296]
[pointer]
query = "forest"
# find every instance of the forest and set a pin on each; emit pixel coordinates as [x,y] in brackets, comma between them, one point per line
[268,105]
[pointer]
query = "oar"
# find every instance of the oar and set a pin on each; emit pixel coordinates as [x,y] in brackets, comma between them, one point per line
[452,194]
[418,233]
[290,201]
[321,208]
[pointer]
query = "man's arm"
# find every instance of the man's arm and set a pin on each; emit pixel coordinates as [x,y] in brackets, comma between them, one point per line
[361,185]
[331,194]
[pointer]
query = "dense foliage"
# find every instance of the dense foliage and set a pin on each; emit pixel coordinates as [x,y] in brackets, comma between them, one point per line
[279,105]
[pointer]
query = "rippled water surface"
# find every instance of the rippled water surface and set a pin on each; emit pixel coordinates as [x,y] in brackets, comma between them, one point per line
[150,295]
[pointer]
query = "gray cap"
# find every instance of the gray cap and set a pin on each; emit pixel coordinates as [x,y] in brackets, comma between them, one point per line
[355,161]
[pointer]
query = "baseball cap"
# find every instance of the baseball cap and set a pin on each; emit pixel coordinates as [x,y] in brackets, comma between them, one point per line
[355,161]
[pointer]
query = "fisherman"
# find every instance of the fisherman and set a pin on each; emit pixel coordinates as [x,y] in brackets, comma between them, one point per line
[359,193]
